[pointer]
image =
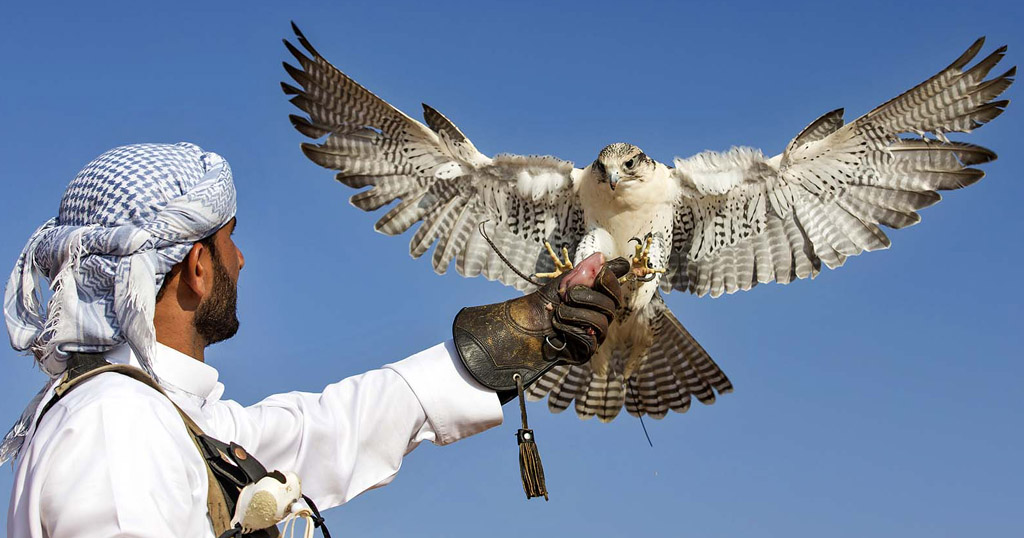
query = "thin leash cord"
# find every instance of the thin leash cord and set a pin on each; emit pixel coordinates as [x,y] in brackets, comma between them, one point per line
[639,415]
[502,256]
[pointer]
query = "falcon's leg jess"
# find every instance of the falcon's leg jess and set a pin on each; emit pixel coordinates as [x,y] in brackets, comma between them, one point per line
[560,266]
[641,262]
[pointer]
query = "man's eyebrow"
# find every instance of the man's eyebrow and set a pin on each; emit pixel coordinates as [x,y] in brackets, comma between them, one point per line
[234,224]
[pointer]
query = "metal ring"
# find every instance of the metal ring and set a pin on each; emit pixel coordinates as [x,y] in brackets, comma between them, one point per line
[553,346]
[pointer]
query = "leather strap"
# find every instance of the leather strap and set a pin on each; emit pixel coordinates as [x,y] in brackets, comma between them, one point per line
[83,367]
[216,502]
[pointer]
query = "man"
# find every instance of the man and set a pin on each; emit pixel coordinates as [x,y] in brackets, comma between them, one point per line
[144,273]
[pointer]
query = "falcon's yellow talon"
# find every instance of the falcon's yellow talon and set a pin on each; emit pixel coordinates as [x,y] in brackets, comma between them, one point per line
[560,266]
[550,251]
[641,267]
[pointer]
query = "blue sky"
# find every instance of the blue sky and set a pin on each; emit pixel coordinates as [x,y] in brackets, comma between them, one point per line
[880,399]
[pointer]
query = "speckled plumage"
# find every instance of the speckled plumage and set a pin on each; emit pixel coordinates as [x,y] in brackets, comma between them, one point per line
[718,221]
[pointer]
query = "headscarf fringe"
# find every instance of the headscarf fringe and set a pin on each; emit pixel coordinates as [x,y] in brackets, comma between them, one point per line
[15,438]
[64,290]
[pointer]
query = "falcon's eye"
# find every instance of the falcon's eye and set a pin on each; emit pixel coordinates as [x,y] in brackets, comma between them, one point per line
[629,163]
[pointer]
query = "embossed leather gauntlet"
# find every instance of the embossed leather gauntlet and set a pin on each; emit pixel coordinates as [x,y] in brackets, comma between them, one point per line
[528,336]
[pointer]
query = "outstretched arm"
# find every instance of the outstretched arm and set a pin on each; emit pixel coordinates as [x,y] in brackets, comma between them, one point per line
[352,437]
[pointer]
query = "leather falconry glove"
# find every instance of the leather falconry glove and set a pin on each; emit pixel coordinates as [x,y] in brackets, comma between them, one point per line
[506,346]
[563,322]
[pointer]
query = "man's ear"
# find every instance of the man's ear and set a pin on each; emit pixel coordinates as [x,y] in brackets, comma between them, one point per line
[195,271]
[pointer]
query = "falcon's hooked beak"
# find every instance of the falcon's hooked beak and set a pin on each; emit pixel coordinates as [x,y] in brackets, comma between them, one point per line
[613,178]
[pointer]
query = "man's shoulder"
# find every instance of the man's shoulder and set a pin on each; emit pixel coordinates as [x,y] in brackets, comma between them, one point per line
[107,393]
[115,415]
[112,452]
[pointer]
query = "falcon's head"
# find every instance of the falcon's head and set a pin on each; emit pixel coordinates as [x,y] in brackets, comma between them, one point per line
[620,162]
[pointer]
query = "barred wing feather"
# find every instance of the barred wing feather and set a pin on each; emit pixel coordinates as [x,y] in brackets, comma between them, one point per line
[436,176]
[745,219]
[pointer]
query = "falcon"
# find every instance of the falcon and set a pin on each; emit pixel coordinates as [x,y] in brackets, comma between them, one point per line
[714,223]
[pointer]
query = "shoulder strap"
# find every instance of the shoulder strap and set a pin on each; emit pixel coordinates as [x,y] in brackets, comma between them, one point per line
[85,366]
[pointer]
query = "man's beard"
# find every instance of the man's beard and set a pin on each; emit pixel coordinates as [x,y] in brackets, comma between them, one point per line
[216,318]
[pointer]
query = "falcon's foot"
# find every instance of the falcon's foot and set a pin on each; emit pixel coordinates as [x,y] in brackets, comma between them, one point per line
[640,269]
[560,266]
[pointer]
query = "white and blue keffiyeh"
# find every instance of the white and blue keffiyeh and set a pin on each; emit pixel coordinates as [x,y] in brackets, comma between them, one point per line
[124,221]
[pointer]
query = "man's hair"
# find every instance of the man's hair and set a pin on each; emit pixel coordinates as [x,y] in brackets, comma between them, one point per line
[207,242]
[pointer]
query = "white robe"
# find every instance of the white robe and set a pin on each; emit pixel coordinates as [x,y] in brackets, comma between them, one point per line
[113,457]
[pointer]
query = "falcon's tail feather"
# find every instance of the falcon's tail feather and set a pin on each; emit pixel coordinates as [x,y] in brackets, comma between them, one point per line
[604,397]
[675,368]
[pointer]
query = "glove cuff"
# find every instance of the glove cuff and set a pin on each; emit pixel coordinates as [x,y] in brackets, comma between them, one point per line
[494,348]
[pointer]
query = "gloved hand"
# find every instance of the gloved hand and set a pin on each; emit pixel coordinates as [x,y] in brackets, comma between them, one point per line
[562,322]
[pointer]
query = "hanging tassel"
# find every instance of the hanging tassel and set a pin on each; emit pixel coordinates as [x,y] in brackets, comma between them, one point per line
[529,458]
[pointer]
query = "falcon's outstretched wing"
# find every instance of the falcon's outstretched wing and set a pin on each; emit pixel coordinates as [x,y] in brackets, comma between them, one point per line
[437,175]
[744,219]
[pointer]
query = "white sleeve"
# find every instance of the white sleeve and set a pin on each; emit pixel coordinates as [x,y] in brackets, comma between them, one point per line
[118,467]
[352,436]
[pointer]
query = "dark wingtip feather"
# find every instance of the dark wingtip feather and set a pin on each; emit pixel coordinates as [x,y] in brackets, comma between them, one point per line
[306,127]
[381,227]
[970,177]
[821,127]
[311,152]
[303,41]
[989,111]
[1010,77]
[439,123]
[301,102]
[302,58]
[969,54]
[994,87]
[428,114]
[972,154]
[289,89]
[986,64]
[930,198]
[358,182]
[297,74]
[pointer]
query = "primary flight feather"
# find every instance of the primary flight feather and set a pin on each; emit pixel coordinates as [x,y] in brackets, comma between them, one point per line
[714,223]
